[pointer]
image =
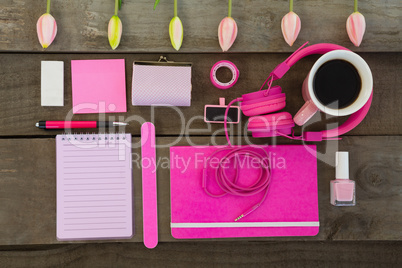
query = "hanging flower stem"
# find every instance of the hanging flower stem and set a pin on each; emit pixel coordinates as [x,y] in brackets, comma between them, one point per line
[116,7]
[355,5]
[291,6]
[48,6]
[175,8]
[230,9]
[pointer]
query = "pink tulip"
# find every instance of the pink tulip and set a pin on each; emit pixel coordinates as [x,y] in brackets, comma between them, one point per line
[47,29]
[356,26]
[227,30]
[227,33]
[290,25]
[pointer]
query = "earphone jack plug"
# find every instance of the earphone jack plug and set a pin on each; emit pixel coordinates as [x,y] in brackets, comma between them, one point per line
[238,218]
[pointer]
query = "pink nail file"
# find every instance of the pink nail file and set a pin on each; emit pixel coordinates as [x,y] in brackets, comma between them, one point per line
[149,197]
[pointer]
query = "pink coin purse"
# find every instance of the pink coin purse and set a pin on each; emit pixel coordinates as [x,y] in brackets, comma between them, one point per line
[157,83]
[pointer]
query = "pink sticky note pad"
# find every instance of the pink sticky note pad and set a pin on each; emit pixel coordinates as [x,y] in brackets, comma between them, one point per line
[99,86]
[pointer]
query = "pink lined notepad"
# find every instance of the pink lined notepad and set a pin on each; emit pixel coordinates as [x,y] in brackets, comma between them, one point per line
[94,186]
[290,209]
[99,86]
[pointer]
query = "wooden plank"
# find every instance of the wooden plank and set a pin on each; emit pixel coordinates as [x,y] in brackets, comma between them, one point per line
[82,25]
[20,105]
[27,190]
[208,254]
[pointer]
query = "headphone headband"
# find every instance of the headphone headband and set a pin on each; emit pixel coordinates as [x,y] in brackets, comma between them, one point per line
[299,54]
[313,49]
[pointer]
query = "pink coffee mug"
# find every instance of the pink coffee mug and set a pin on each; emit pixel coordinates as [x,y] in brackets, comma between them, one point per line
[313,104]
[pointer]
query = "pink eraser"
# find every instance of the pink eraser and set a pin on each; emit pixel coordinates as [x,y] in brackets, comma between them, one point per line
[149,193]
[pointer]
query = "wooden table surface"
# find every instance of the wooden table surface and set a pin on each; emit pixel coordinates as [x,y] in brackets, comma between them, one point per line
[27,154]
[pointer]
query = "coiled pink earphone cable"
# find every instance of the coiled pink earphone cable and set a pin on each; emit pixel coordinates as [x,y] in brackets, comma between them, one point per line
[230,186]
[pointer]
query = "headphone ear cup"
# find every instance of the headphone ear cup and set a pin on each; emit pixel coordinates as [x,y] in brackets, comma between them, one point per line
[260,102]
[269,125]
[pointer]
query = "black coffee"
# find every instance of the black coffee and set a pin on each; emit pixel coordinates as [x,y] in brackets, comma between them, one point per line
[337,84]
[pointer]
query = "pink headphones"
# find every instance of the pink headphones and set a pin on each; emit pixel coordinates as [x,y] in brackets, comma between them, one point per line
[258,104]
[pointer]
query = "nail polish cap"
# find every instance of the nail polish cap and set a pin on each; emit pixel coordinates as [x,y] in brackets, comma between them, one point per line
[342,165]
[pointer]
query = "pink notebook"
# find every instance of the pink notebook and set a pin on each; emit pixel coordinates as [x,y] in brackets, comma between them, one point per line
[290,209]
[99,86]
[94,186]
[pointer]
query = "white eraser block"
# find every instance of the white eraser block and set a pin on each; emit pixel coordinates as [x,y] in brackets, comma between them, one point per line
[52,83]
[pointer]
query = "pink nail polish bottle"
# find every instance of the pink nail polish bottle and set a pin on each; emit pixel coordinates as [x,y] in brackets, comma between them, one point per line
[342,189]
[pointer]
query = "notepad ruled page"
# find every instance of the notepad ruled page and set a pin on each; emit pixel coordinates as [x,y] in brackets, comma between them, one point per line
[94,186]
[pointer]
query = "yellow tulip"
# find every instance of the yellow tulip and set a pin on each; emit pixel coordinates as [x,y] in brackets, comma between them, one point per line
[114,31]
[176,32]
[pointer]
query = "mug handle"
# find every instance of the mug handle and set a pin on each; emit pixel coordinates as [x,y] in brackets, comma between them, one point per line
[305,113]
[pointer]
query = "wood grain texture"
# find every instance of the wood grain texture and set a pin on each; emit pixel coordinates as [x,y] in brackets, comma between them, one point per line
[28,175]
[20,106]
[208,254]
[30,191]
[27,155]
[82,25]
